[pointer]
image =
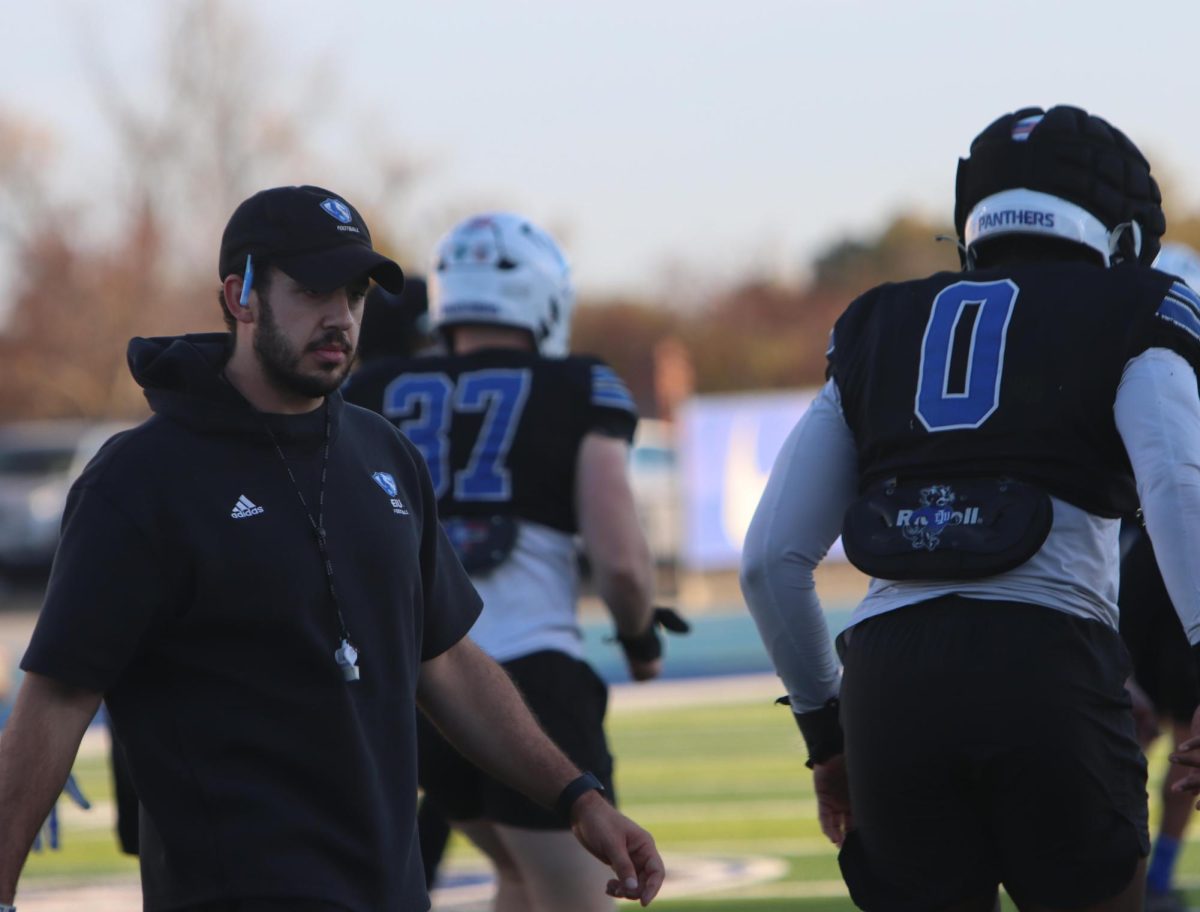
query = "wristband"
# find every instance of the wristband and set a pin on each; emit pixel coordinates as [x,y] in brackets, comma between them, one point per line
[570,794]
[645,647]
[822,731]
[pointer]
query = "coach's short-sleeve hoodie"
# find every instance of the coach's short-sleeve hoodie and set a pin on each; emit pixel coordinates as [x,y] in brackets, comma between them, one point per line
[188,587]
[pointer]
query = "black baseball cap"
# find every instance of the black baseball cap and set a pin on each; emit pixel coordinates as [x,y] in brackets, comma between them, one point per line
[310,233]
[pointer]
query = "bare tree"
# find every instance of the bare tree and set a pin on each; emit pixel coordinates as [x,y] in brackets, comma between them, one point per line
[203,137]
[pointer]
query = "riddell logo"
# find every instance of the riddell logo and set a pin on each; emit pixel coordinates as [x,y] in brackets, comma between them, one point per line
[245,507]
[927,516]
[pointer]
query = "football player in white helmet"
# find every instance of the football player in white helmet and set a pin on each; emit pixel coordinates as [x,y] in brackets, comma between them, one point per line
[500,269]
[527,447]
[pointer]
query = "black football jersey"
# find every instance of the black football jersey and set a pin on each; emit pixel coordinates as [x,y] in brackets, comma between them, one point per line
[1010,371]
[500,429]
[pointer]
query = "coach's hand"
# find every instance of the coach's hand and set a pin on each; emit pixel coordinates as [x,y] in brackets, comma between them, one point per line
[1187,753]
[833,798]
[622,845]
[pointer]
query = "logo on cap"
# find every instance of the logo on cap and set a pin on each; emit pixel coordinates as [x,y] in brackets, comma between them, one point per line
[1023,127]
[338,210]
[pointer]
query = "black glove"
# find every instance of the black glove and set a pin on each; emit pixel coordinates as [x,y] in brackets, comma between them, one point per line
[646,647]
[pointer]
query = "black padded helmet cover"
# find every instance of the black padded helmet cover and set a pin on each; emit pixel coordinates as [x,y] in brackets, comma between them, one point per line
[1072,155]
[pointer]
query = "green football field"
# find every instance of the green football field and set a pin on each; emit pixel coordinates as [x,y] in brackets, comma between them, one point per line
[720,784]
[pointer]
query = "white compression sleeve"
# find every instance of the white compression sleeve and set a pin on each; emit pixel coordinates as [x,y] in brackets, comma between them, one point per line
[1157,412]
[800,515]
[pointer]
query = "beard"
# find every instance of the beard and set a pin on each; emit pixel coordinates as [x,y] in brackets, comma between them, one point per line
[281,361]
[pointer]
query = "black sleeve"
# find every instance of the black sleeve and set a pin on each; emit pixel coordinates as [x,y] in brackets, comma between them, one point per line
[843,336]
[1171,322]
[610,408]
[107,589]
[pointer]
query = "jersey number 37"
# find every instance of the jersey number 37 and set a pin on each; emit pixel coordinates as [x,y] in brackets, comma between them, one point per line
[432,400]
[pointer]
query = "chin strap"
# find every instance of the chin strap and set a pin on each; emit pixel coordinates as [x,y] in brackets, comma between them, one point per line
[1117,240]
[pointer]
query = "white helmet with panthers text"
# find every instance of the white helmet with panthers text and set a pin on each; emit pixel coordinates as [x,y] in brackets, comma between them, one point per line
[501,269]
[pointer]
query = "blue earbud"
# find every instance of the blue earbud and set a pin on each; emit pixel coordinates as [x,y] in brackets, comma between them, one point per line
[247,282]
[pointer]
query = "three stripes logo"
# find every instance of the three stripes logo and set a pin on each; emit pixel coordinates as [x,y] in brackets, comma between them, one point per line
[245,507]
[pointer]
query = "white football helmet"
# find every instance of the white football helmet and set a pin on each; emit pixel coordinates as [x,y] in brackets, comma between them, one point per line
[500,268]
[1180,260]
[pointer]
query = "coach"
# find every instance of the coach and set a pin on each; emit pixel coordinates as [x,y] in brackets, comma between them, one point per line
[255,581]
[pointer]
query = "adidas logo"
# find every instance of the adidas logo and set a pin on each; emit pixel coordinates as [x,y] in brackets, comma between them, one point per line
[245,507]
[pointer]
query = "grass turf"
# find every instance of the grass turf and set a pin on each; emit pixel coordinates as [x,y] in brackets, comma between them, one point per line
[721,781]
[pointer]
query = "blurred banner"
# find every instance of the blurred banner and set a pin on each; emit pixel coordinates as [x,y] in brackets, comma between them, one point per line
[727,445]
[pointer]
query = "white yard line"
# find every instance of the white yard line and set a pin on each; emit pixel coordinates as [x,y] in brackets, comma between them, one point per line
[722,691]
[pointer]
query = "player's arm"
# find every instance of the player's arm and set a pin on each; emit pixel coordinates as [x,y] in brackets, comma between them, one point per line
[622,566]
[1157,412]
[37,749]
[813,481]
[799,517]
[479,710]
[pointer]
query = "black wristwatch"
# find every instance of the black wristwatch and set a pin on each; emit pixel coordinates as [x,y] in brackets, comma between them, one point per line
[573,791]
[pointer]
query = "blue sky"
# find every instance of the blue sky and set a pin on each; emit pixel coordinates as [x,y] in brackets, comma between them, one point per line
[655,135]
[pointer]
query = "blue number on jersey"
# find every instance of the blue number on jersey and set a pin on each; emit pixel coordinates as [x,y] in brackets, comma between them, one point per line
[946,403]
[499,394]
[428,396]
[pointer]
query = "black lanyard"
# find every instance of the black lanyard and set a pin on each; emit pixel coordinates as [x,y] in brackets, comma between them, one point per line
[346,655]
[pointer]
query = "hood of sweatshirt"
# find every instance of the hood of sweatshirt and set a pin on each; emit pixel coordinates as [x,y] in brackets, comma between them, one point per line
[183,380]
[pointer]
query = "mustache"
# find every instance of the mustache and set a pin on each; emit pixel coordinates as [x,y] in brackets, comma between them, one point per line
[334,338]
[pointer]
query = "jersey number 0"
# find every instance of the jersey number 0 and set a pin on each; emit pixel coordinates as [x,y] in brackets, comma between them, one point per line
[962,354]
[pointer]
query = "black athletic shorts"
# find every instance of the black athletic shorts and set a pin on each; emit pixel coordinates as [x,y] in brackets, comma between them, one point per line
[569,700]
[1162,658]
[989,742]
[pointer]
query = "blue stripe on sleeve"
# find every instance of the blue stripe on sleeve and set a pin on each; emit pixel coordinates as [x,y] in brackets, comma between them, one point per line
[609,390]
[1182,315]
[1184,292]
